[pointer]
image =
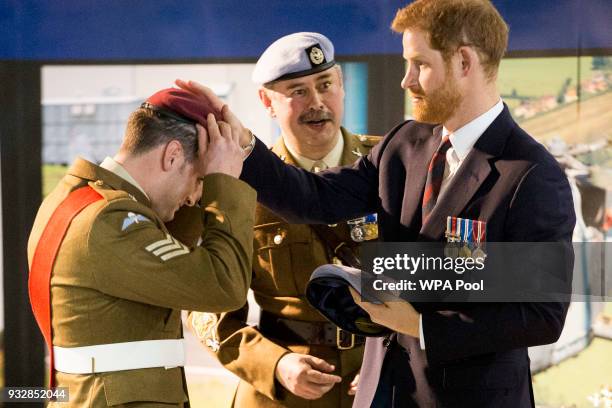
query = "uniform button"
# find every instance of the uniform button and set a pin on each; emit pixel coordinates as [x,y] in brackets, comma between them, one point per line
[214,345]
[278,239]
[99,183]
[357,152]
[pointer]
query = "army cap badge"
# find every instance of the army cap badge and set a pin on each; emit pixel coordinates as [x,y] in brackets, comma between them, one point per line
[294,56]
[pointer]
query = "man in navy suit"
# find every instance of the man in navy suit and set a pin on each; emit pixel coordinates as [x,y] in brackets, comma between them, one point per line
[464,157]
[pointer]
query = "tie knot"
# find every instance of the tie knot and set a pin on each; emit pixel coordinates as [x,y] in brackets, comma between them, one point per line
[318,166]
[445,144]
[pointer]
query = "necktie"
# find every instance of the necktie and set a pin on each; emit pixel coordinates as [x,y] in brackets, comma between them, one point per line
[435,173]
[318,166]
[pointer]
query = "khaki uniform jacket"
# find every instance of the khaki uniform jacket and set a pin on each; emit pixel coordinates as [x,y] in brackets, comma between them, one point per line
[109,286]
[281,270]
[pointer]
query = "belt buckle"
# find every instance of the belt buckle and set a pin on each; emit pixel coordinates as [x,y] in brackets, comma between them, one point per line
[339,344]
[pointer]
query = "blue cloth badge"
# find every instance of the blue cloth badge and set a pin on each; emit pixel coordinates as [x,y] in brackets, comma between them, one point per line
[133,218]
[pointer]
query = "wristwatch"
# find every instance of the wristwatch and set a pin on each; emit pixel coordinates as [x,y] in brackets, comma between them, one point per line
[246,150]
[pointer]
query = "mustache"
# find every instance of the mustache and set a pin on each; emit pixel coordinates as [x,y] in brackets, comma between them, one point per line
[314,116]
[416,92]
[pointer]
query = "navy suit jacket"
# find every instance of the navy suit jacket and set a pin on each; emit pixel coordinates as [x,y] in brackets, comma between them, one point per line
[477,356]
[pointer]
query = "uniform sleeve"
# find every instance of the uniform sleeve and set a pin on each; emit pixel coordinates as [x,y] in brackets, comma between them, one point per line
[241,348]
[133,258]
[302,197]
[541,211]
[186,226]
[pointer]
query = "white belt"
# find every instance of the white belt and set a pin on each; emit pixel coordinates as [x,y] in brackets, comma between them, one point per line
[120,356]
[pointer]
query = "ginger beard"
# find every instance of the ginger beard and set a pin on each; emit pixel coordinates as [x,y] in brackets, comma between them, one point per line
[437,105]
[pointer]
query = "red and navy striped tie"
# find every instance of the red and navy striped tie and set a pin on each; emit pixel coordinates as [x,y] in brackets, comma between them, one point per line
[435,174]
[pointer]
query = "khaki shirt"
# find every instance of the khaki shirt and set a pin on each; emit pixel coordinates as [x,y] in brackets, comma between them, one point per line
[284,258]
[109,285]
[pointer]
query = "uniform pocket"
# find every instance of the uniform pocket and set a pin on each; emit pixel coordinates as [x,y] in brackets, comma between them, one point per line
[145,385]
[282,258]
[280,235]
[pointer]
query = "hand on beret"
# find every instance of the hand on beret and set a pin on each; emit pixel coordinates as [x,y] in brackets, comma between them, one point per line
[217,104]
[219,149]
[203,93]
[184,104]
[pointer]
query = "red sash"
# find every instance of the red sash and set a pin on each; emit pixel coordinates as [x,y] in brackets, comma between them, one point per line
[44,258]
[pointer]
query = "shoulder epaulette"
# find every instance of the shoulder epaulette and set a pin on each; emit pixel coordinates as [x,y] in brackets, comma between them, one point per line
[369,140]
[108,193]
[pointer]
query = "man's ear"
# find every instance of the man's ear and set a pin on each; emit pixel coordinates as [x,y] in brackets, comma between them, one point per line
[172,155]
[468,59]
[266,101]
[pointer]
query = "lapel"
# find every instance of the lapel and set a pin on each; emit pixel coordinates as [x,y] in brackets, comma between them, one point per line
[474,170]
[281,151]
[86,170]
[416,174]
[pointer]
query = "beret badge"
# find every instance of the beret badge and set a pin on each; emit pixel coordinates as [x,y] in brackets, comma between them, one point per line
[316,56]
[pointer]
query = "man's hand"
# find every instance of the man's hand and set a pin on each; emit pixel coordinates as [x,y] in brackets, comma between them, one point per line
[219,151]
[219,105]
[353,385]
[305,376]
[399,315]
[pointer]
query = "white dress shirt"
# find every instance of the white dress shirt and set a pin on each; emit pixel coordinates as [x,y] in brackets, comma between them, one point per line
[462,142]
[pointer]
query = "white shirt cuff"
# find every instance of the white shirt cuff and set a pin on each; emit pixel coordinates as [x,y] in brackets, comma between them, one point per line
[421,336]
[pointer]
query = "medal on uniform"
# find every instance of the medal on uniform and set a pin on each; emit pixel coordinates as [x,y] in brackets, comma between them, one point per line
[357,230]
[448,233]
[364,228]
[370,227]
[465,238]
[451,250]
[479,234]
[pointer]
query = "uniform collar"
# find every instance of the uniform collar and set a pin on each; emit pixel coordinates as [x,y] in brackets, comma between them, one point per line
[464,138]
[115,167]
[354,147]
[86,170]
[332,159]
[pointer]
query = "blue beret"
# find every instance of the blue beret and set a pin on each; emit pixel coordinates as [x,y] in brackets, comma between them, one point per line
[293,56]
[327,291]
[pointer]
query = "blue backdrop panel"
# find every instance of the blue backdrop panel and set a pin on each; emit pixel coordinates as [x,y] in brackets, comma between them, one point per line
[356,99]
[168,30]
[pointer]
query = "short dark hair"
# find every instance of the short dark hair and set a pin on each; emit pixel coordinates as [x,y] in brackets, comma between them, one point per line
[147,129]
[453,23]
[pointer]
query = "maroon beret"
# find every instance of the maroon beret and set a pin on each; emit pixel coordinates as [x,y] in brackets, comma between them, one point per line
[181,105]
